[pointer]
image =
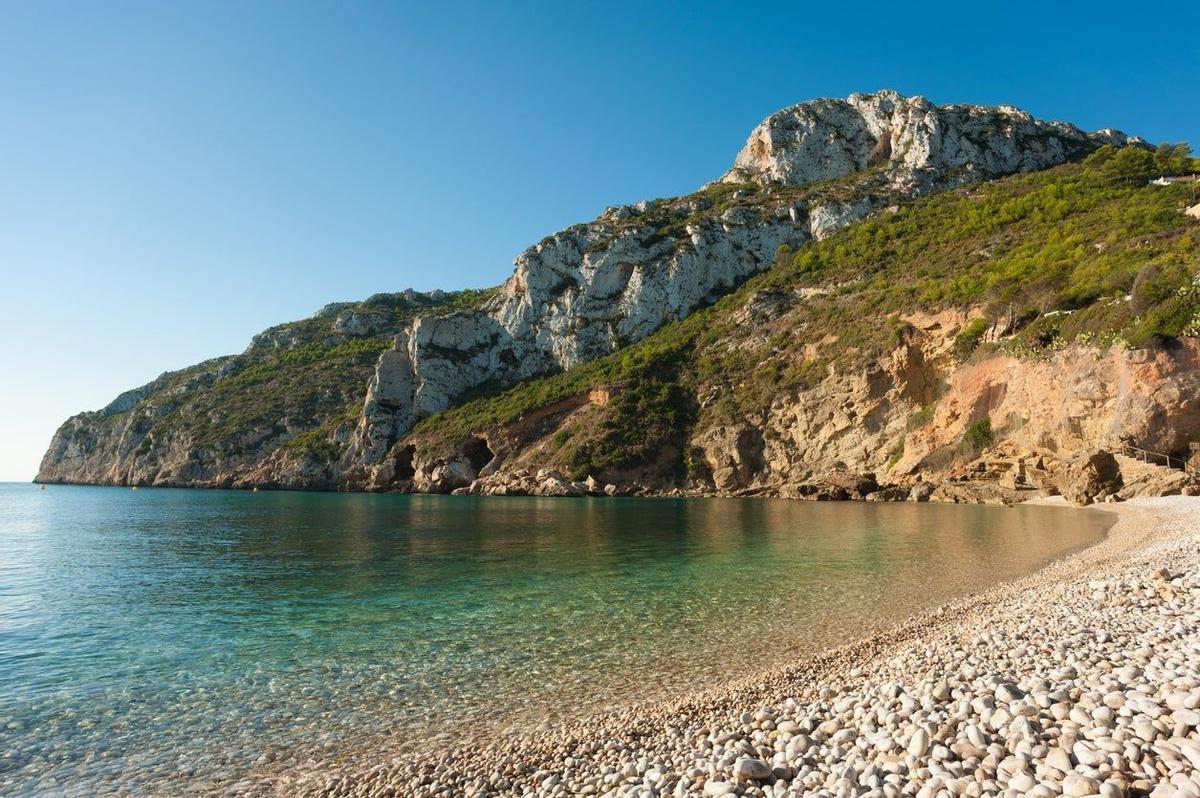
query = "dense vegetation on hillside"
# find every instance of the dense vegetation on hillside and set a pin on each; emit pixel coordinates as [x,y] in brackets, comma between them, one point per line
[1085,252]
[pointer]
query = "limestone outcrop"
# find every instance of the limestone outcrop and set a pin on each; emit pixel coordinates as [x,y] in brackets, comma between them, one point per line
[914,143]
[588,290]
[388,394]
[584,292]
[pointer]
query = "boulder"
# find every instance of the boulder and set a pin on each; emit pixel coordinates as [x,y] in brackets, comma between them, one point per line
[447,477]
[735,455]
[552,486]
[855,485]
[1090,477]
[921,492]
[831,493]
[749,769]
[888,493]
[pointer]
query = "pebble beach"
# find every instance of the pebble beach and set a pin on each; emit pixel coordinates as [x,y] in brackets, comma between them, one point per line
[1082,679]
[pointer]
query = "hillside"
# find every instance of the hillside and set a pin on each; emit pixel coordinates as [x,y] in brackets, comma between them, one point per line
[205,423]
[1041,315]
[877,285]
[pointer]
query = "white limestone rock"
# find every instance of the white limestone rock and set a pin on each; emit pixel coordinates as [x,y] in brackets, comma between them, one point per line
[389,395]
[916,143]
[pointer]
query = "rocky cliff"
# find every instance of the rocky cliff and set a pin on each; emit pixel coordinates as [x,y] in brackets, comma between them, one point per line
[740,338]
[916,144]
[592,288]
[300,384]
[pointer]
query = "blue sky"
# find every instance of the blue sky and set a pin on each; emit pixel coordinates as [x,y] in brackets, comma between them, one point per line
[176,176]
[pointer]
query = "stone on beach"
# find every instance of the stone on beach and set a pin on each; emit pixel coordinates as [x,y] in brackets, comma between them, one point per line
[918,744]
[748,769]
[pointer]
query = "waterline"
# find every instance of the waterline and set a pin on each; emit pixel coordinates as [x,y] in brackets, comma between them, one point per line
[189,638]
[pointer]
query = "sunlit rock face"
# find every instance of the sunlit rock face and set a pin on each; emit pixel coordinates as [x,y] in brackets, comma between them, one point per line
[804,173]
[915,143]
[583,292]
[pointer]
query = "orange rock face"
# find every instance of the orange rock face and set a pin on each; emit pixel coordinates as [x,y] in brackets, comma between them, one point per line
[1079,399]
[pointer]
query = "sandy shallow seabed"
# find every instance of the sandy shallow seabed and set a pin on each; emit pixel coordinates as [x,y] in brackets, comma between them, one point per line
[1081,679]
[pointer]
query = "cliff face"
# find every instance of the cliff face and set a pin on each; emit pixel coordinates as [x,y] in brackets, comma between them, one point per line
[997,331]
[300,384]
[1077,400]
[584,293]
[918,145]
[102,447]
[371,395]
[588,290]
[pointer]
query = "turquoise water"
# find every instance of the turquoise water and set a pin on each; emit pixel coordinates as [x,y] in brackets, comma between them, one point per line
[173,641]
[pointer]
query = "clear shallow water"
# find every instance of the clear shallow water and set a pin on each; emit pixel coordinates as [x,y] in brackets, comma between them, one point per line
[170,641]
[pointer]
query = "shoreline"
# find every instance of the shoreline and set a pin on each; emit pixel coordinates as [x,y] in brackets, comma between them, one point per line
[765,733]
[1145,481]
[947,491]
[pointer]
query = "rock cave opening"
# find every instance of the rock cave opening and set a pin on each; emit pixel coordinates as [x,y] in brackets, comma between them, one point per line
[478,453]
[404,462]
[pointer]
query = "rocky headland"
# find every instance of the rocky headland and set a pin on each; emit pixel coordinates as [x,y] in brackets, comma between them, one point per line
[882,299]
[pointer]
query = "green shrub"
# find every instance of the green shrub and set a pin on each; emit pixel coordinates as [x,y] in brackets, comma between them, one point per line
[978,436]
[920,418]
[967,340]
[1155,283]
[697,465]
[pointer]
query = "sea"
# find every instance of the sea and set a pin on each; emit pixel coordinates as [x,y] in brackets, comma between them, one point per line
[175,642]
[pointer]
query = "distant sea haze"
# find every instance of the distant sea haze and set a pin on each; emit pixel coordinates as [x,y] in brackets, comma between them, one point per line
[167,639]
